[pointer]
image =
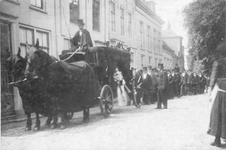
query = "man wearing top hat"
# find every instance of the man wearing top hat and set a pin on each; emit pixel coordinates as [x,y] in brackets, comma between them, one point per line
[82,37]
[147,86]
[162,87]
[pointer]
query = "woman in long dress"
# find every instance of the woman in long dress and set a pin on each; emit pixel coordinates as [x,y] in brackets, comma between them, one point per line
[217,92]
[121,93]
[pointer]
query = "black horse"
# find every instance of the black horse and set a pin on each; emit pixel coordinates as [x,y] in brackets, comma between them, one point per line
[33,99]
[71,86]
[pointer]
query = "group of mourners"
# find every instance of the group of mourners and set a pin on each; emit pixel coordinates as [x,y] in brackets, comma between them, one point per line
[152,85]
[158,85]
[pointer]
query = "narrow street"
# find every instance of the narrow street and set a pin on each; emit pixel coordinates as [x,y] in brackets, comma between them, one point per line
[182,126]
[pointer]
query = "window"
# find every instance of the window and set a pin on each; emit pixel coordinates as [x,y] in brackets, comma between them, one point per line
[132,58]
[156,62]
[148,38]
[155,44]
[37,3]
[96,15]
[43,40]
[74,10]
[142,60]
[159,47]
[122,20]
[67,44]
[27,35]
[130,25]
[149,61]
[113,16]
[141,33]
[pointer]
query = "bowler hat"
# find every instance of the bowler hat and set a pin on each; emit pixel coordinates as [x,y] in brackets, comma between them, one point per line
[80,22]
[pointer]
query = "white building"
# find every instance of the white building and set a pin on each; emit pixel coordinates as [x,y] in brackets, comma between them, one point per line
[148,31]
[174,41]
[131,22]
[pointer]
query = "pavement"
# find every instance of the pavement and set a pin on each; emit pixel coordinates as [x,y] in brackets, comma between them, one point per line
[183,126]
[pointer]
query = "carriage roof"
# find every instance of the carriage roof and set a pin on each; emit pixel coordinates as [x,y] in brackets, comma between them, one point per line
[116,54]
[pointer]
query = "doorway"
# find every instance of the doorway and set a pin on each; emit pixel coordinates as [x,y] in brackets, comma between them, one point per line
[7,97]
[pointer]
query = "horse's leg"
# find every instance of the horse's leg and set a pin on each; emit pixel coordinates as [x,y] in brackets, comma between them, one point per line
[84,114]
[49,119]
[55,119]
[37,126]
[87,114]
[29,122]
[63,118]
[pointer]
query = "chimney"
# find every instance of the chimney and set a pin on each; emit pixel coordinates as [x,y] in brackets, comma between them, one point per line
[151,5]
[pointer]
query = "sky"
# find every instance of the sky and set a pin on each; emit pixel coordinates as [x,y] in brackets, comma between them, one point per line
[171,11]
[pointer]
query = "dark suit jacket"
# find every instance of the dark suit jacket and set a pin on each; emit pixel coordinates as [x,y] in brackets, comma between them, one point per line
[184,79]
[162,80]
[138,80]
[85,39]
[196,79]
[190,78]
[147,83]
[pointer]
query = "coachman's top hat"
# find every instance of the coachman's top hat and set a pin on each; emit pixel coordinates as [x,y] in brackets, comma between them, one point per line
[80,22]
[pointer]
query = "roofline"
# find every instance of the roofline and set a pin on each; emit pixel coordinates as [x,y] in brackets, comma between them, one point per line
[148,11]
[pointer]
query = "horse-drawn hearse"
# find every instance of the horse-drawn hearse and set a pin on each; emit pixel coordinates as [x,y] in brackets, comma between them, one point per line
[78,81]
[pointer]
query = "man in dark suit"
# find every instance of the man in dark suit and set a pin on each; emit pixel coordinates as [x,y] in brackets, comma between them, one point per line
[177,69]
[177,84]
[170,86]
[162,87]
[137,83]
[195,83]
[202,83]
[190,83]
[183,83]
[82,37]
[147,86]
[154,85]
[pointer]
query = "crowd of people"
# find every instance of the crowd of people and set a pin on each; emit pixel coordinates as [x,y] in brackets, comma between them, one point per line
[149,83]
[152,85]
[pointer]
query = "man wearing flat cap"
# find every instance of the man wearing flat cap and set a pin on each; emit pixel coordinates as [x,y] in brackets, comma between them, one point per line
[82,37]
[162,87]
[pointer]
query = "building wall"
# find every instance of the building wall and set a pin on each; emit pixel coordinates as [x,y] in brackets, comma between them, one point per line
[54,21]
[153,54]
[175,43]
[167,59]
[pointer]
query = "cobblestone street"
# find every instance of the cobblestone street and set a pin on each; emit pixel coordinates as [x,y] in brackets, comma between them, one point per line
[182,126]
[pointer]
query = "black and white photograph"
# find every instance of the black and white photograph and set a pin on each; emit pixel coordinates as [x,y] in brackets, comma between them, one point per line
[113,74]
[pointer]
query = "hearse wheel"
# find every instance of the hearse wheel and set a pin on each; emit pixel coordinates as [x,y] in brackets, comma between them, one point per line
[106,100]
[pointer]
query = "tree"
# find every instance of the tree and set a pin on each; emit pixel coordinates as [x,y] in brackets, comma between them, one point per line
[205,21]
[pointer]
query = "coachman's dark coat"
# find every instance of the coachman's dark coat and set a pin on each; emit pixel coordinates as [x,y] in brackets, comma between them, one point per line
[84,39]
[162,89]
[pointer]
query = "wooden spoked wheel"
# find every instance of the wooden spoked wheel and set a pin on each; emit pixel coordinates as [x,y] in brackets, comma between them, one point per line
[106,100]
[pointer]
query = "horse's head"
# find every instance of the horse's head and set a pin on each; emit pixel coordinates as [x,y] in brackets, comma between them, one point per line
[16,65]
[38,62]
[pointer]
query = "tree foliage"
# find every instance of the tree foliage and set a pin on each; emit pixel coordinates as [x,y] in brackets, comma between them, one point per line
[205,21]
